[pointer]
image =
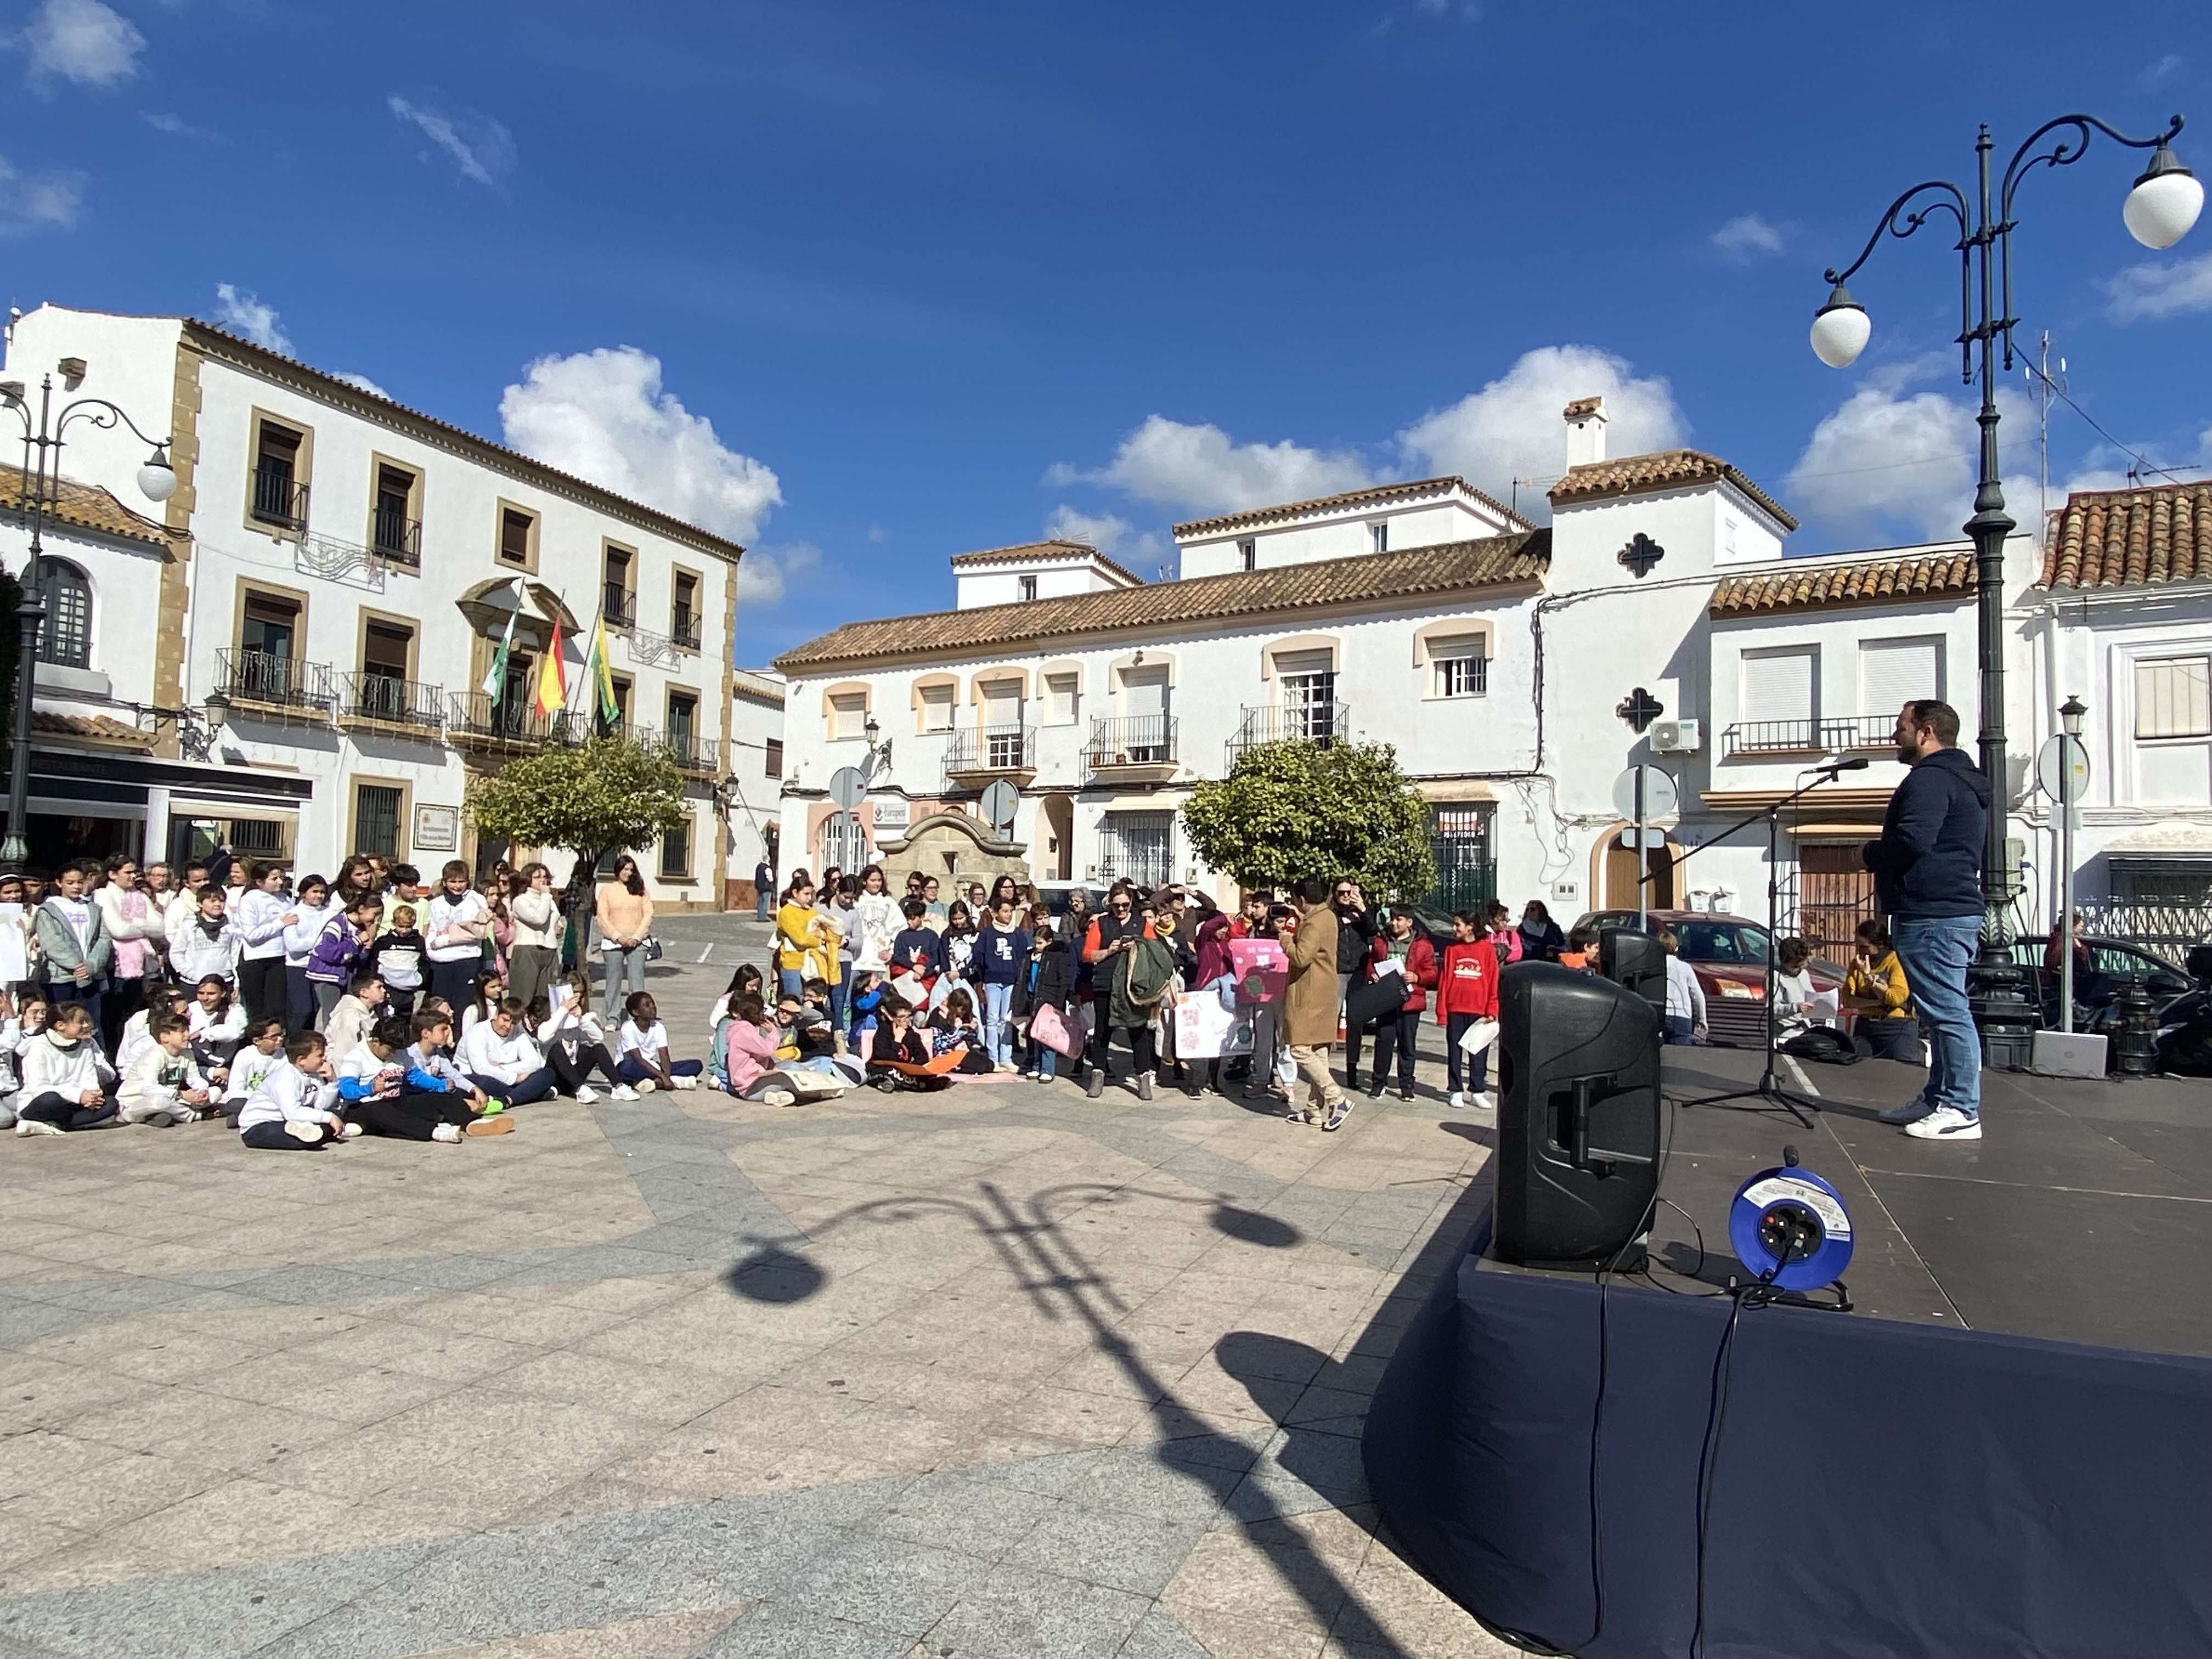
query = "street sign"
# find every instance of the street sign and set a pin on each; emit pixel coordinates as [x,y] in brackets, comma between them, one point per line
[1659,797]
[846,786]
[2051,761]
[999,801]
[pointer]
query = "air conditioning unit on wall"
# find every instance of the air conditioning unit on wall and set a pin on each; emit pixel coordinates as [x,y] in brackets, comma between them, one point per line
[1676,737]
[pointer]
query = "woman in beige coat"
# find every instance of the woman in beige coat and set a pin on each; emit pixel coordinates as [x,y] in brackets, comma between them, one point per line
[1309,1008]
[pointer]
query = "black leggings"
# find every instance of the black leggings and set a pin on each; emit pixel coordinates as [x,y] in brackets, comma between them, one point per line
[64,1112]
[262,988]
[411,1114]
[572,1071]
[273,1138]
[1892,1039]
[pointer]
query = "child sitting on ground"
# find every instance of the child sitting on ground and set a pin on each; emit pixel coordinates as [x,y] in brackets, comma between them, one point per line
[138,1030]
[498,1054]
[954,1029]
[262,1053]
[218,1024]
[744,1056]
[432,1054]
[291,1108]
[67,1086]
[386,1097]
[897,1043]
[162,1085]
[642,1050]
[867,1000]
[574,1043]
[355,1014]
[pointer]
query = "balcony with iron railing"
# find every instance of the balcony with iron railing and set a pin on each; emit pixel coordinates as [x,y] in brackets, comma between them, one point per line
[265,682]
[396,539]
[372,698]
[618,604]
[277,500]
[683,628]
[1133,749]
[1318,723]
[1749,739]
[688,750]
[977,754]
[477,721]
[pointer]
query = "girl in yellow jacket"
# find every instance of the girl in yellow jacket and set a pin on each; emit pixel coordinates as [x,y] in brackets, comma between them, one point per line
[1874,989]
[806,941]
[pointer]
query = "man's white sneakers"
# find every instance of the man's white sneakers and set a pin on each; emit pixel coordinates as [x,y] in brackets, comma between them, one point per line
[1945,1123]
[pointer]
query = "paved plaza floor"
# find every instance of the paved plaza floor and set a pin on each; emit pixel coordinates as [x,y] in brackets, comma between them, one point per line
[1000,1372]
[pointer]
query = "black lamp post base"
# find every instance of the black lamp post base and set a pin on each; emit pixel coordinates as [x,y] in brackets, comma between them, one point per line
[1997,989]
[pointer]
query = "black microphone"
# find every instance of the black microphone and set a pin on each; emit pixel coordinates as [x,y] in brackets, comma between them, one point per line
[1856,763]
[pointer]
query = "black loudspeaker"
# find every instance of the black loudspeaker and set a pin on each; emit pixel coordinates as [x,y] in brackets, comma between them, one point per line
[1636,961]
[1577,1161]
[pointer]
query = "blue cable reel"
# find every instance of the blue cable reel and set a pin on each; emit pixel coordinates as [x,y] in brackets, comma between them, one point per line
[1790,1228]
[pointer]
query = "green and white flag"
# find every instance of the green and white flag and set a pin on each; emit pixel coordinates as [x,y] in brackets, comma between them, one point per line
[496,681]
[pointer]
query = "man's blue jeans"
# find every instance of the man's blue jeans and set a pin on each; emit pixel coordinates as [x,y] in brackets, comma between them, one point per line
[761,905]
[1937,951]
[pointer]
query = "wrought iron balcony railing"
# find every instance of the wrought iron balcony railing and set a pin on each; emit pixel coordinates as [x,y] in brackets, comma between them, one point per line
[396,538]
[270,681]
[690,751]
[277,500]
[472,717]
[619,605]
[1808,736]
[683,627]
[1320,723]
[977,749]
[388,699]
[1132,740]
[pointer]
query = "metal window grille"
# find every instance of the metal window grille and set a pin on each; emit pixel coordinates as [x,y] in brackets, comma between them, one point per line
[1138,847]
[376,821]
[1463,677]
[66,639]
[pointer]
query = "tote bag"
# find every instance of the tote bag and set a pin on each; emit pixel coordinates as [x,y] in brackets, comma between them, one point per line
[1051,1028]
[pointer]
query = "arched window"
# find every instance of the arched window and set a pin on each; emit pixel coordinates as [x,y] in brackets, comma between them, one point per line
[65,594]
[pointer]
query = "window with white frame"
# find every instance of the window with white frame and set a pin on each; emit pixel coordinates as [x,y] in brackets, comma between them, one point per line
[2173,698]
[1062,695]
[1461,669]
[1137,846]
[1248,553]
[1308,683]
[1779,703]
[1026,585]
[1378,535]
[937,707]
[848,715]
[1892,673]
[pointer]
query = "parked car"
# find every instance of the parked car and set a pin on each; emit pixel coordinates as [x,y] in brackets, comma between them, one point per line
[1729,954]
[2112,963]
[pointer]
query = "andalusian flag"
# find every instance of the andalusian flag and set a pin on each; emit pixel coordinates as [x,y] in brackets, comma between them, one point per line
[495,680]
[599,674]
[553,677]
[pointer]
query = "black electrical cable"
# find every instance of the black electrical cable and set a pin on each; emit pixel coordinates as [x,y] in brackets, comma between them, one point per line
[1716,1415]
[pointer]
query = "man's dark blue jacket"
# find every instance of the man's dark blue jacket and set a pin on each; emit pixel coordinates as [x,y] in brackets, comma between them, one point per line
[1929,860]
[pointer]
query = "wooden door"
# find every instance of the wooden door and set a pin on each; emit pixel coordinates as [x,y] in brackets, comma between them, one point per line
[1835,894]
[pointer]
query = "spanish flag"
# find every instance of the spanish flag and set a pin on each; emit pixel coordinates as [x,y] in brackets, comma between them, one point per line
[553,678]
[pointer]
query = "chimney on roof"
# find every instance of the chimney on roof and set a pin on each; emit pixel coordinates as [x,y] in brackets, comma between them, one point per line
[1585,432]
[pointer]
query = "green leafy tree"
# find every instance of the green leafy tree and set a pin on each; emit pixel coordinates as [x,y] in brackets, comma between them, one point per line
[1293,811]
[601,798]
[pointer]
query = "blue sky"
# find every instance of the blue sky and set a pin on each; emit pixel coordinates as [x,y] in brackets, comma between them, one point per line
[919,278]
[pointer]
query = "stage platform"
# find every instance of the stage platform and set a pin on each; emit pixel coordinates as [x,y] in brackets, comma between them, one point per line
[2001,1451]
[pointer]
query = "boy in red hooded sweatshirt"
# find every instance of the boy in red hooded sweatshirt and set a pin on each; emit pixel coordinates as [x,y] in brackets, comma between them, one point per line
[1467,990]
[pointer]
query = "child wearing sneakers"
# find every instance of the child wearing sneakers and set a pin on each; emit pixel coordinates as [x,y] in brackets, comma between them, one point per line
[67,1086]
[162,1084]
[262,1053]
[387,1096]
[291,1109]
[432,1054]
[641,1056]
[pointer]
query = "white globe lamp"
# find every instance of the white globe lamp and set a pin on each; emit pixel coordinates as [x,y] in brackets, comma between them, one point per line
[157,479]
[2165,202]
[1840,329]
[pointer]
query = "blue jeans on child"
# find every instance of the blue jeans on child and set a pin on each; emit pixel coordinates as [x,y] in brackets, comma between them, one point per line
[997,1022]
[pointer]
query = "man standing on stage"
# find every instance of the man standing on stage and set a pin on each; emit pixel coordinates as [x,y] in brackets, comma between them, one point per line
[1927,870]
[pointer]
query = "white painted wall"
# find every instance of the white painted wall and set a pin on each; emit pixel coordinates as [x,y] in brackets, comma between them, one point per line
[1345,533]
[1056,579]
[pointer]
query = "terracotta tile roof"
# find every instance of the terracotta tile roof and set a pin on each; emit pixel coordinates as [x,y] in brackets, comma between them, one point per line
[1665,469]
[1491,562]
[1377,495]
[2132,537]
[1028,550]
[87,506]
[221,343]
[94,728]
[1792,587]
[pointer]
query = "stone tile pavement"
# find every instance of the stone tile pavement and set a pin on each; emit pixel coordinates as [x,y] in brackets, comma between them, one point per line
[1000,1373]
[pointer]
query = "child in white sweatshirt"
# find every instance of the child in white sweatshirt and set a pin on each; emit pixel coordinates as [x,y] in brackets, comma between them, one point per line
[162,1085]
[355,1014]
[138,1030]
[499,1057]
[291,1110]
[218,1024]
[207,946]
[67,1086]
[262,1053]
[11,1072]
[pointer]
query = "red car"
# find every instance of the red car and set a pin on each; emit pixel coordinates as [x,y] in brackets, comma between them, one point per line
[1728,954]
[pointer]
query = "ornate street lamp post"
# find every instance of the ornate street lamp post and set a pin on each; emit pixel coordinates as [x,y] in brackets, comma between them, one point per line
[2158,212]
[42,447]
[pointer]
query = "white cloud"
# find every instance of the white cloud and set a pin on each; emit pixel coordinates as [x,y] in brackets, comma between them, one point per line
[2165,66]
[603,416]
[83,41]
[175,125]
[482,148]
[1890,462]
[1111,534]
[362,383]
[1512,429]
[878,534]
[2153,291]
[246,314]
[765,573]
[1198,468]
[1746,236]
[38,201]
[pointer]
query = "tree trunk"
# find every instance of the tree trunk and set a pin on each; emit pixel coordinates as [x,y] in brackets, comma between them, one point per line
[577,906]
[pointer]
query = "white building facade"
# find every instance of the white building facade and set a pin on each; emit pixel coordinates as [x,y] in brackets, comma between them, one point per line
[1516,671]
[336,577]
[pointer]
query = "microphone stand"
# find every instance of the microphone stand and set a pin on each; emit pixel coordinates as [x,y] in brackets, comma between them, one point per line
[1768,1090]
